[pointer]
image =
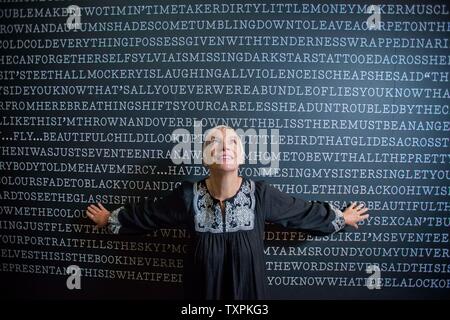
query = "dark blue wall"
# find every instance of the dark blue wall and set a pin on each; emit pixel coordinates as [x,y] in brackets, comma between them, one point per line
[362,115]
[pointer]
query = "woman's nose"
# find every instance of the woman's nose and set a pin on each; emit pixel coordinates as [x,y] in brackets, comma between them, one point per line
[226,146]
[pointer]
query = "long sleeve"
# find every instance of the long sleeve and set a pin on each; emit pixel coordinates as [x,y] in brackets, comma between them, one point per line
[309,216]
[146,215]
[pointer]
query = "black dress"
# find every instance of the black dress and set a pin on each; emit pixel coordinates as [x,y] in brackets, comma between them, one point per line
[227,258]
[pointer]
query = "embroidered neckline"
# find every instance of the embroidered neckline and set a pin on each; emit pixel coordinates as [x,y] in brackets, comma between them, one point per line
[239,209]
[227,199]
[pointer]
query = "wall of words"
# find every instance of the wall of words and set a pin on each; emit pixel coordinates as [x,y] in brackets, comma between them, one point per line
[356,93]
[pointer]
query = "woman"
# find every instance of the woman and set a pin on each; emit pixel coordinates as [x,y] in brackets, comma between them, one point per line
[226,214]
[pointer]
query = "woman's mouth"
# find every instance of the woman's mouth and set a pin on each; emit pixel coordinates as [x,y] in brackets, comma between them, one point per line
[226,157]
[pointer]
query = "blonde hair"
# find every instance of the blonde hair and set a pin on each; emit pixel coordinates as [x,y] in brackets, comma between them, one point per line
[241,159]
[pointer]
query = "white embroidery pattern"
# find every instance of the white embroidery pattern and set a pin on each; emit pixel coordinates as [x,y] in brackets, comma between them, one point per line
[114,224]
[239,211]
[338,221]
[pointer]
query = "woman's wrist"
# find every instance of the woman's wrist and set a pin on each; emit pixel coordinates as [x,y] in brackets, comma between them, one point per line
[113,220]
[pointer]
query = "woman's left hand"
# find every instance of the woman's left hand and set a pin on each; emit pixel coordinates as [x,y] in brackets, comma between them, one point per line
[354,214]
[99,214]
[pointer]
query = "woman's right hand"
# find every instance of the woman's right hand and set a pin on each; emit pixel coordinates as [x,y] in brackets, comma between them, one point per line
[99,214]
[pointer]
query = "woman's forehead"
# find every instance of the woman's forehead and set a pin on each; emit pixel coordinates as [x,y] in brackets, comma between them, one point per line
[220,133]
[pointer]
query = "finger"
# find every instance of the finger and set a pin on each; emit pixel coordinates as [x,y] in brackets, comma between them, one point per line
[101,206]
[90,216]
[352,204]
[94,208]
[363,210]
[363,217]
[355,225]
[361,205]
[92,211]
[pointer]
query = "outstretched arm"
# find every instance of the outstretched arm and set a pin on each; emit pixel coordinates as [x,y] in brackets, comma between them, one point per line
[146,215]
[312,216]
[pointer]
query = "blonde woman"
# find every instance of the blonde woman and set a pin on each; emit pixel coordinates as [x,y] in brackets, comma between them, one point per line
[226,214]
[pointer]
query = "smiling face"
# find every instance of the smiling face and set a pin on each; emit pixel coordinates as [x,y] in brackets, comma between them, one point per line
[223,149]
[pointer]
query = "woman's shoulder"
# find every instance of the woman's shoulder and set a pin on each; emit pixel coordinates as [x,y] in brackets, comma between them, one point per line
[186,185]
[265,188]
[258,183]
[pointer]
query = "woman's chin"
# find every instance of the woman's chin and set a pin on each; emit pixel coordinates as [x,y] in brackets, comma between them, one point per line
[226,166]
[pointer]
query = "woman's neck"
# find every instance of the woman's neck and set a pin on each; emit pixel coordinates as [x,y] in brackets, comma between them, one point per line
[223,185]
